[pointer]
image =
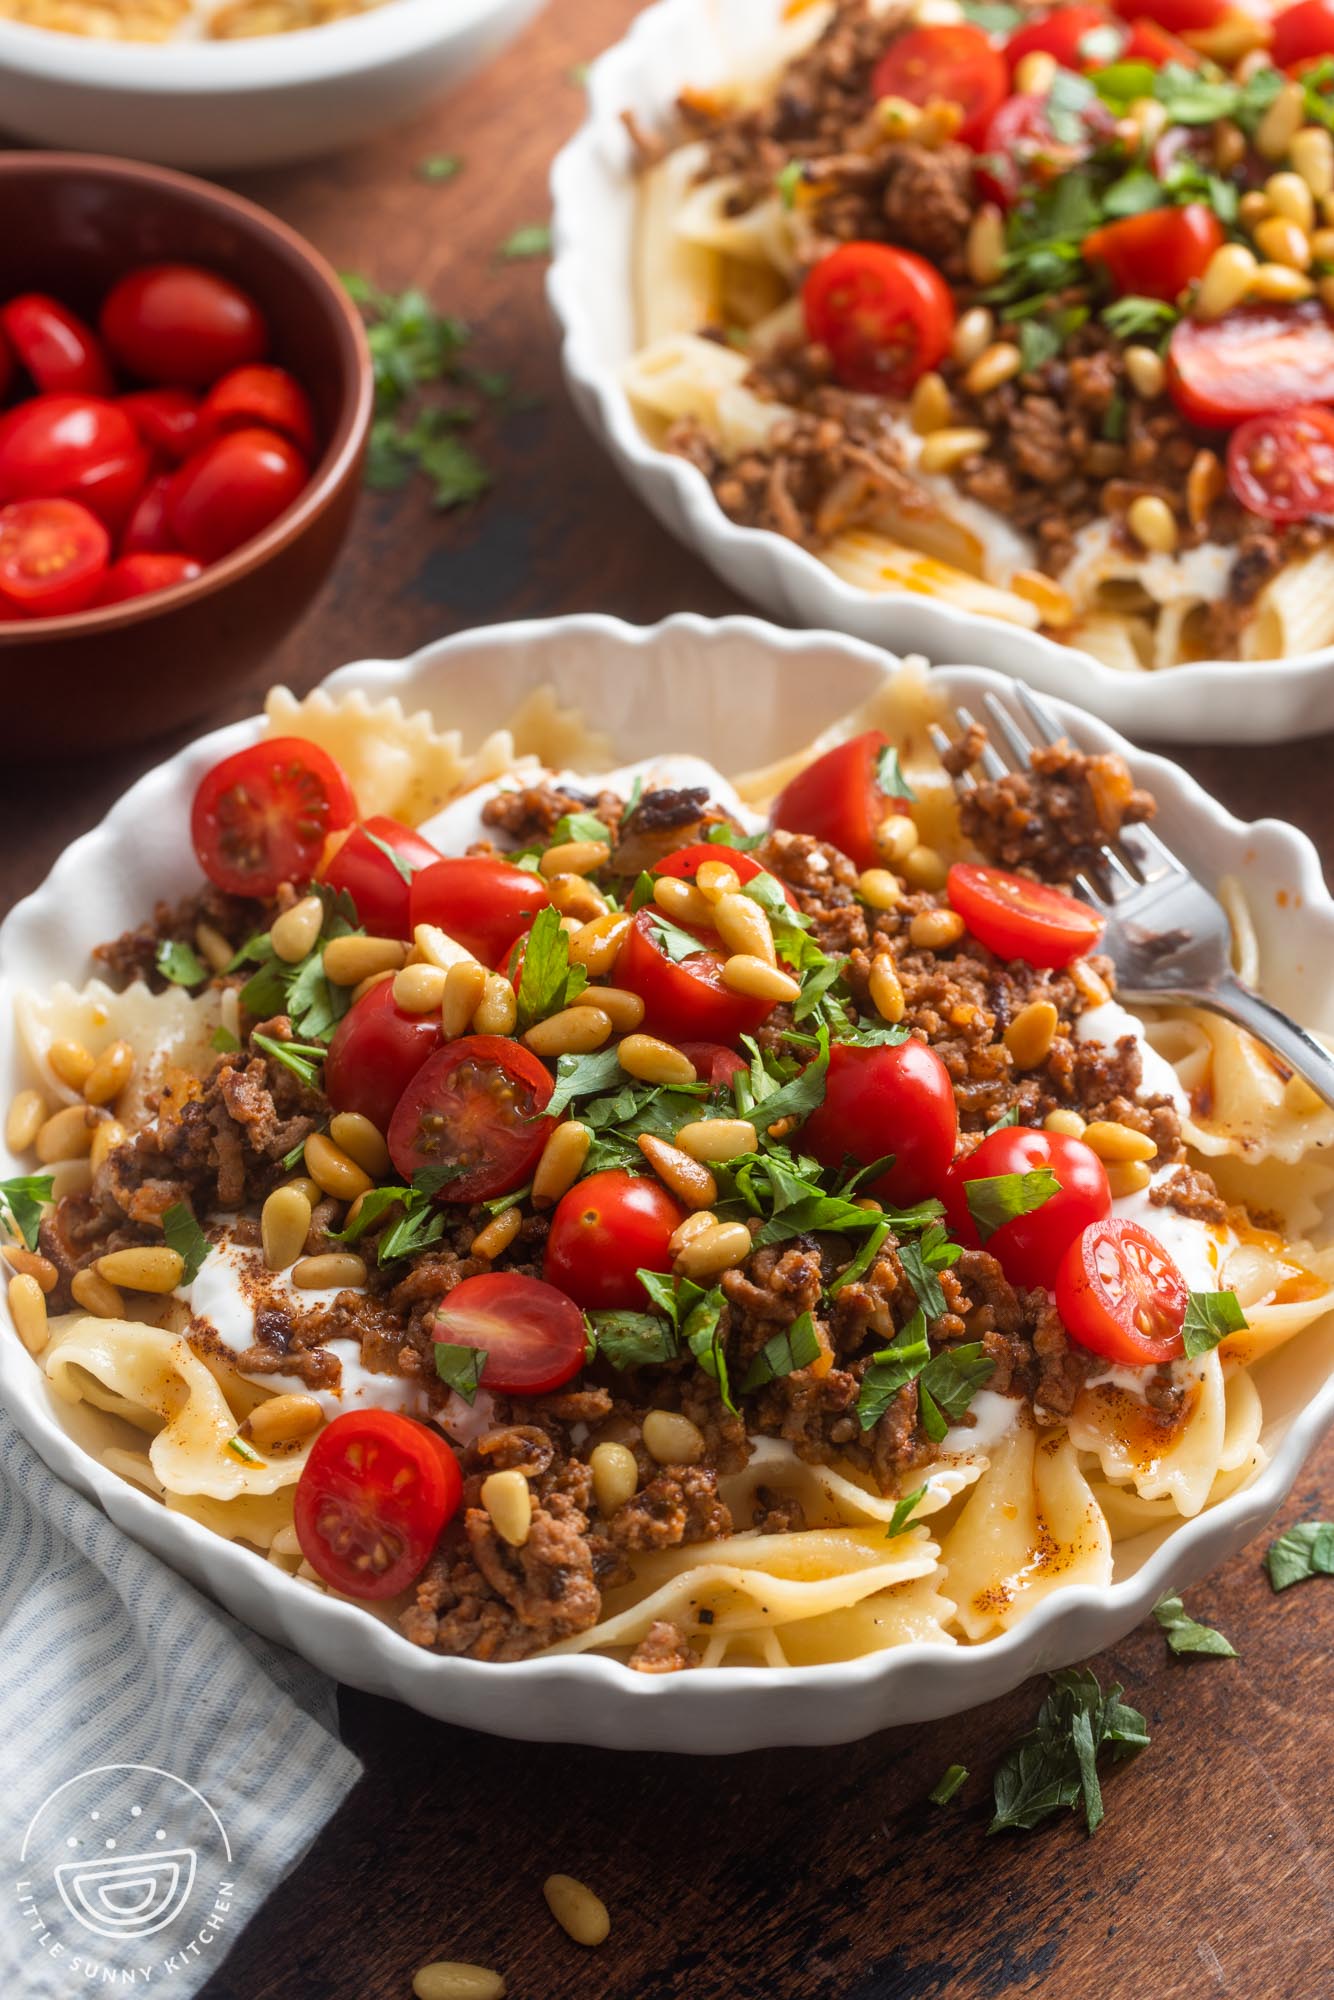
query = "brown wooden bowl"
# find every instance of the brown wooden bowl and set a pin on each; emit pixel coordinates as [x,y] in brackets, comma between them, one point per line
[74,223]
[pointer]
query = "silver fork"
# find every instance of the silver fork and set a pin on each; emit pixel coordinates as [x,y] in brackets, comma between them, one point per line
[1166,934]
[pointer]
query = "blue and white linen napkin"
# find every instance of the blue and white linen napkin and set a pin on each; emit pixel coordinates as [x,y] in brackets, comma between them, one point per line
[161,1768]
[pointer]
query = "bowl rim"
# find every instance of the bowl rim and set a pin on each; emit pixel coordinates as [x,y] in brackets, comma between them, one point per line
[336,464]
[591,152]
[1071,1622]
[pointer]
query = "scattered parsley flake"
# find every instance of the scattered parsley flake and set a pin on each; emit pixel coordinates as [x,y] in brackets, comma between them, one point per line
[1185,1635]
[889,775]
[460,1367]
[948,1383]
[791,1348]
[931,1253]
[402,867]
[1301,1552]
[953,1781]
[440,167]
[180,963]
[247,1454]
[903,1510]
[892,1369]
[1054,1766]
[788,180]
[532,239]
[184,1235]
[634,1339]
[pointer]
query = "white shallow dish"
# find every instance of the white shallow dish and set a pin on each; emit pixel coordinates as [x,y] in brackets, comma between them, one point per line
[739,693]
[589,287]
[252,103]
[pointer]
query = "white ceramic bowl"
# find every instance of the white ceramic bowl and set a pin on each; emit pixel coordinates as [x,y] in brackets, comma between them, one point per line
[251,103]
[740,693]
[589,287]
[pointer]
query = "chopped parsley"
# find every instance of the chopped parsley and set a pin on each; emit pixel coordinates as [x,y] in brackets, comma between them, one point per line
[922,1260]
[402,867]
[1185,1634]
[304,1059]
[548,981]
[953,1781]
[184,1235]
[948,1383]
[787,180]
[1211,1317]
[696,1317]
[439,167]
[532,239]
[889,775]
[904,1508]
[634,1339]
[583,1076]
[224,1041]
[312,1002]
[1135,319]
[579,826]
[791,1348]
[239,1448]
[671,940]
[1055,1766]
[892,1369]
[1300,1553]
[180,963]
[996,1199]
[24,1197]
[460,1367]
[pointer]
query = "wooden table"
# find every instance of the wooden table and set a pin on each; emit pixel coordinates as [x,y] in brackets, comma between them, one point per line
[784,1875]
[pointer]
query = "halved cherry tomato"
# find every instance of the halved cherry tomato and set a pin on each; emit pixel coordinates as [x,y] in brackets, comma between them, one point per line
[180,324]
[147,532]
[533,1335]
[1303,33]
[684,997]
[1061,34]
[63,356]
[1017,918]
[380,884]
[684,864]
[144,574]
[1281,466]
[1179,17]
[72,448]
[481,902]
[375,1052]
[605,1230]
[885,315]
[262,817]
[713,1064]
[1021,148]
[475,1109]
[1254,360]
[232,489]
[896,1099]
[53,555]
[261,394]
[1157,254]
[838,798]
[1119,1293]
[372,1498]
[166,419]
[957,64]
[1030,1247]
[1151,44]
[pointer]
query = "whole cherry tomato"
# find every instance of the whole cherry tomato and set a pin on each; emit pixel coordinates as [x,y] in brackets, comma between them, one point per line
[955,63]
[1158,254]
[1019,918]
[371,1500]
[180,324]
[482,902]
[1281,466]
[684,998]
[72,448]
[1303,33]
[1063,33]
[892,1099]
[1254,360]
[380,882]
[263,395]
[232,489]
[606,1229]
[474,1109]
[63,356]
[533,1335]
[1029,1247]
[261,817]
[147,532]
[885,315]
[53,556]
[166,419]
[375,1052]
[144,574]
[839,798]
[1119,1293]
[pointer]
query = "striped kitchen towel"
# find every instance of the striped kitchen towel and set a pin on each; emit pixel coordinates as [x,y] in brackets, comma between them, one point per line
[161,1768]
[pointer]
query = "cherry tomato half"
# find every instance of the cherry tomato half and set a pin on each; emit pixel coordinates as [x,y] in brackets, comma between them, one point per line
[1151,44]
[261,394]
[714,1064]
[144,574]
[372,1499]
[885,315]
[1281,466]
[179,324]
[1119,1294]
[895,1100]
[685,864]
[1179,17]
[533,1334]
[838,798]
[1157,254]
[1062,34]
[375,1052]
[481,902]
[166,419]
[1254,360]
[380,884]
[957,64]
[1021,148]
[1017,918]
[72,448]
[53,556]
[147,532]
[231,489]
[262,816]
[603,1231]
[684,998]
[1303,33]
[475,1109]
[1030,1247]
[63,356]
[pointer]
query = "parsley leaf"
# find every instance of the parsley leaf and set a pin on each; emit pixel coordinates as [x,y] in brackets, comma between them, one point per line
[1300,1553]
[1134,194]
[889,775]
[953,1781]
[996,1199]
[701,1330]
[180,963]
[788,180]
[818,1211]
[1211,1317]
[1055,1765]
[921,1260]
[303,992]
[183,1234]
[801,1096]
[402,867]
[864,1259]
[791,1348]
[903,1508]
[583,1076]
[533,239]
[24,1197]
[548,981]
[1185,1635]
[892,1369]
[579,826]
[373,1204]
[948,1384]
[460,1367]
[1133,318]
[224,1041]
[672,941]
[994,17]
[634,1339]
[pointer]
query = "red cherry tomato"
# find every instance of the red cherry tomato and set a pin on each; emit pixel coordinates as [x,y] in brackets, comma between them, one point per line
[895,1100]
[262,817]
[1281,466]
[147,531]
[375,1052]
[1179,17]
[685,998]
[1031,1246]
[380,887]
[605,1230]
[1119,1294]
[166,419]
[260,395]
[1156,255]
[63,356]
[838,798]
[474,1108]
[6,366]
[1303,33]
[533,1334]
[1017,918]
[1062,33]
[714,1064]
[957,64]
[72,448]
[144,574]
[684,865]
[482,903]
[53,555]
[1254,360]
[1022,149]
[179,324]
[232,489]
[885,315]
[372,1499]
[1151,44]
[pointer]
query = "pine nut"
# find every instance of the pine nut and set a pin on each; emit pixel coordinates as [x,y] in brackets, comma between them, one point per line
[71,1062]
[1113,1141]
[1252,208]
[984,250]
[109,1074]
[1322,246]
[1281,123]
[31,1264]
[886,992]
[1093,988]
[284,1225]
[153,1268]
[108,1135]
[694,1225]
[1031,1033]
[1205,483]
[996,364]
[451,1979]
[24,1120]
[743,927]
[507,1500]
[284,1419]
[349,960]
[615,1472]
[972,336]
[930,408]
[337,1269]
[923,868]
[574,897]
[294,932]
[721,1248]
[743,973]
[432,946]
[1152,523]
[1068,1123]
[1052,603]
[27,1307]
[625,1010]
[420,989]
[575,857]
[213,947]
[717,1138]
[362,1143]
[1325,287]
[313,1192]
[1281,241]
[96,1296]
[943,450]
[332,1171]
[1226,281]
[464,984]
[1127,1177]
[1147,372]
[717,878]
[933,930]
[497,1010]
[500,1232]
[580,1914]
[71,1177]
[561,1163]
[1280,284]
[1290,196]
[672,1439]
[682,901]
[66,1134]
[689,1180]
[652,1061]
[574,1031]
[1035,73]
[878,888]
[597,945]
[1312,154]
[896,837]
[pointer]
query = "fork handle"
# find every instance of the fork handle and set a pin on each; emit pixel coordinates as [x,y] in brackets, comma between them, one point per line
[1272,1027]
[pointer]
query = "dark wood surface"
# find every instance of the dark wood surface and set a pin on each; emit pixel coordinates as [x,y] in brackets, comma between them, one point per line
[783,1875]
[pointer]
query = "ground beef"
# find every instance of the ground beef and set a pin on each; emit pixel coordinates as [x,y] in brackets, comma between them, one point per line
[1190,1192]
[664,1649]
[661,822]
[679,1505]
[778,1513]
[527,816]
[133,955]
[1052,821]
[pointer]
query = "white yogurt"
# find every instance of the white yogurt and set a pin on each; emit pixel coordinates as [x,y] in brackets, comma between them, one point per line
[994,1417]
